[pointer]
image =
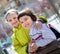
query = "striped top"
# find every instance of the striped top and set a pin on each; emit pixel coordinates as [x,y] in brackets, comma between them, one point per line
[43,36]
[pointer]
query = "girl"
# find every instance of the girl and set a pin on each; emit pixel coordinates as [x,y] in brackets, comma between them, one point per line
[42,36]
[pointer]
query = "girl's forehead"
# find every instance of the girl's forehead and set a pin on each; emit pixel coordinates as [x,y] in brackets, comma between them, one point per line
[25,16]
[12,15]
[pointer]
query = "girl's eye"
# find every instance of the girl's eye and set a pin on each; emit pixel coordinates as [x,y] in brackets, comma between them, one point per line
[14,17]
[25,19]
[10,20]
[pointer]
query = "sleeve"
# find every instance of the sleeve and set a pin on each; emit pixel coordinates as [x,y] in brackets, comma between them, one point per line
[47,33]
[18,47]
[47,36]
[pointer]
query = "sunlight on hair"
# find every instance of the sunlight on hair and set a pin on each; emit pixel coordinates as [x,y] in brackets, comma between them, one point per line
[24,10]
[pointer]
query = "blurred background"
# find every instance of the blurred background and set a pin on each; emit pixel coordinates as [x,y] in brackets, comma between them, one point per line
[47,8]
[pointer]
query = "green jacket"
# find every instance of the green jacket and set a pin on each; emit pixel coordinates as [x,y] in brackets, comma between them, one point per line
[20,39]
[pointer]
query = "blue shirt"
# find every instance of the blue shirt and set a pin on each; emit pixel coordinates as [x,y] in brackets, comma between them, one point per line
[43,36]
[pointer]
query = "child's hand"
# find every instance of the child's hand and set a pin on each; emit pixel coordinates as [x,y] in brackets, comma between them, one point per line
[32,47]
[38,25]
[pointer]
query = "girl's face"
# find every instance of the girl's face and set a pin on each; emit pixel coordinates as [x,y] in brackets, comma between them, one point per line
[26,21]
[12,19]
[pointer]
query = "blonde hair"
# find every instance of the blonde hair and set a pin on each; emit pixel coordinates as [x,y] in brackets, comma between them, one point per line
[10,12]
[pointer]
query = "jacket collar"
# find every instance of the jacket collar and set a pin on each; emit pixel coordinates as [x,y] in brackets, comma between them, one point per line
[16,29]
